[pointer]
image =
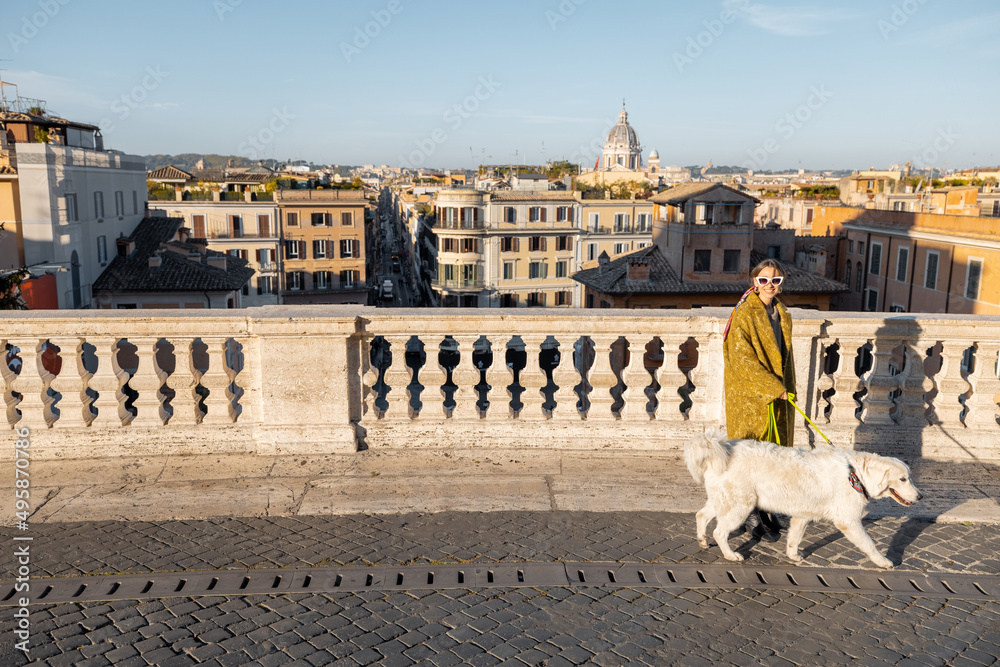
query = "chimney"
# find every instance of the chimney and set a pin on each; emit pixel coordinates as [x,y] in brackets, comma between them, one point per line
[155,262]
[125,246]
[603,259]
[216,261]
[638,271]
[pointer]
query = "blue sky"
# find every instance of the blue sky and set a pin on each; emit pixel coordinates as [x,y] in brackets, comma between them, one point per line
[771,84]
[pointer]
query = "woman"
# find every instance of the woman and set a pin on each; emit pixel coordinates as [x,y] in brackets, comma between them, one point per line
[759,372]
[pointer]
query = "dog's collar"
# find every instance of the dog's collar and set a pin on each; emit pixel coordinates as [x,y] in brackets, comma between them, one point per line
[855,481]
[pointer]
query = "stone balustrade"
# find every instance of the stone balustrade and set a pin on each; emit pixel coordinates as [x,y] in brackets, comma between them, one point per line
[314,379]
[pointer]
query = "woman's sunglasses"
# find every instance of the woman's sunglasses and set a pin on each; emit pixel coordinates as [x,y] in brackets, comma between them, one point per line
[764,280]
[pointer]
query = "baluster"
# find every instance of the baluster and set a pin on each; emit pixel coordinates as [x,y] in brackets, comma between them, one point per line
[147,381]
[74,406]
[566,377]
[671,379]
[532,379]
[846,383]
[108,382]
[634,377]
[498,377]
[985,386]
[950,383]
[880,382]
[369,376]
[32,384]
[434,377]
[911,407]
[183,381]
[7,376]
[466,377]
[602,379]
[824,383]
[219,403]
[708,377]
[398,376]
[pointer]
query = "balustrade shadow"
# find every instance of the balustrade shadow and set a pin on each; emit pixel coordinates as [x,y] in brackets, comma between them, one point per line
[910,393]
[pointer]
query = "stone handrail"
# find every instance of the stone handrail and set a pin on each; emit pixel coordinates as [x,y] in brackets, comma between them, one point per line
[317,379]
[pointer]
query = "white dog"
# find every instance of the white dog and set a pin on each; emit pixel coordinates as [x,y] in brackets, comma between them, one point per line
[807,485]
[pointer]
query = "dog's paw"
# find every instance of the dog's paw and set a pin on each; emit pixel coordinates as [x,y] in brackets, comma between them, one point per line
[795,556]
[736,557]
[884,563]
[703,542]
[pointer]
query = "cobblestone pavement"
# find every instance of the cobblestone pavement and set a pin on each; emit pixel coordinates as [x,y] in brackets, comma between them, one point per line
[607,625]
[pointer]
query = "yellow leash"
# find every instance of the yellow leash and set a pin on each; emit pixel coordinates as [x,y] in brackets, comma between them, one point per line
[791,399]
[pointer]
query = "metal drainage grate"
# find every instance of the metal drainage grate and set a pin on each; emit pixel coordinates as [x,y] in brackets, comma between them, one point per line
[503,575]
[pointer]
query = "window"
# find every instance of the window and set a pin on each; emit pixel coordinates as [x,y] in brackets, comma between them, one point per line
[119,203]
[996,209]
[595,219]
[508,301]
[509,214]
[509,244]
[897,308]
[71,212]
[538,270]
[450,217]
[292,250]
[875,259]
[135,202]
[639,245]
[470,245]
[319,249]
[448,244]
[861,247]
[621,247]
[99,205]
[731,261]
[564,243]
[536,214]
[292,219]
[470,274]
[809,216]
[642,222]
[536,299]
[857,281]
[264,225]
[564,298]
[591,251]
[319,219]
[321,280]
[972,275]
[294,280]
[590,301]
[898,206]
[347,219]
[702,261]
[536,243]
[561,268]
[850,245]
[931,271]
[350,248]
[265,285]
[350,278]
[102,250]
[564,214]
[236,226]
[198,223]
[508,270]
[902,259]
[774,252]
[621,222]
[871,299]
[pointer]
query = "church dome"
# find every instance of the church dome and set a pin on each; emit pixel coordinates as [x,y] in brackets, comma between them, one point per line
[654,154]
[622,134]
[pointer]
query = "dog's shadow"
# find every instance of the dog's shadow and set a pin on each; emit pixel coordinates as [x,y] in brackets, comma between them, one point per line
[907,533]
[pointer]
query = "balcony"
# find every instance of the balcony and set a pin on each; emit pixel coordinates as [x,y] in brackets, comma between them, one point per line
[459,283]
[281,380]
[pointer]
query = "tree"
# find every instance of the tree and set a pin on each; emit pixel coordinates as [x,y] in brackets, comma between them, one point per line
[10,286]
[41,135]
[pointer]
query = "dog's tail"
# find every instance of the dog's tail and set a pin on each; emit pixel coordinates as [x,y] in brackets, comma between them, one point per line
[706,452]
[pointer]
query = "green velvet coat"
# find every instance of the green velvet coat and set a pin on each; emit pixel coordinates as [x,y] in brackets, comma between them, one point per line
[755,372]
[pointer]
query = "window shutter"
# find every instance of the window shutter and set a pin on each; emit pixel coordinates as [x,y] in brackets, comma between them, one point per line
[543,213]
[302,250]
[288,245]
[288,279]
[543,239]
[569,214]
[331,249]
[517,244]
[357,248]
[257,253]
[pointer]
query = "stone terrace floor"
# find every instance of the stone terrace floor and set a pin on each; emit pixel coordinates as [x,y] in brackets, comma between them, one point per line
[547,625]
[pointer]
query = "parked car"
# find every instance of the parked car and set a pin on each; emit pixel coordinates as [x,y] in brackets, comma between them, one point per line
[386,291]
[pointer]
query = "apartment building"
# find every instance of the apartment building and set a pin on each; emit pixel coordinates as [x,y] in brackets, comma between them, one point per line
[323,246]
[897,261]
[64,200]
[615,227]
[247,229]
